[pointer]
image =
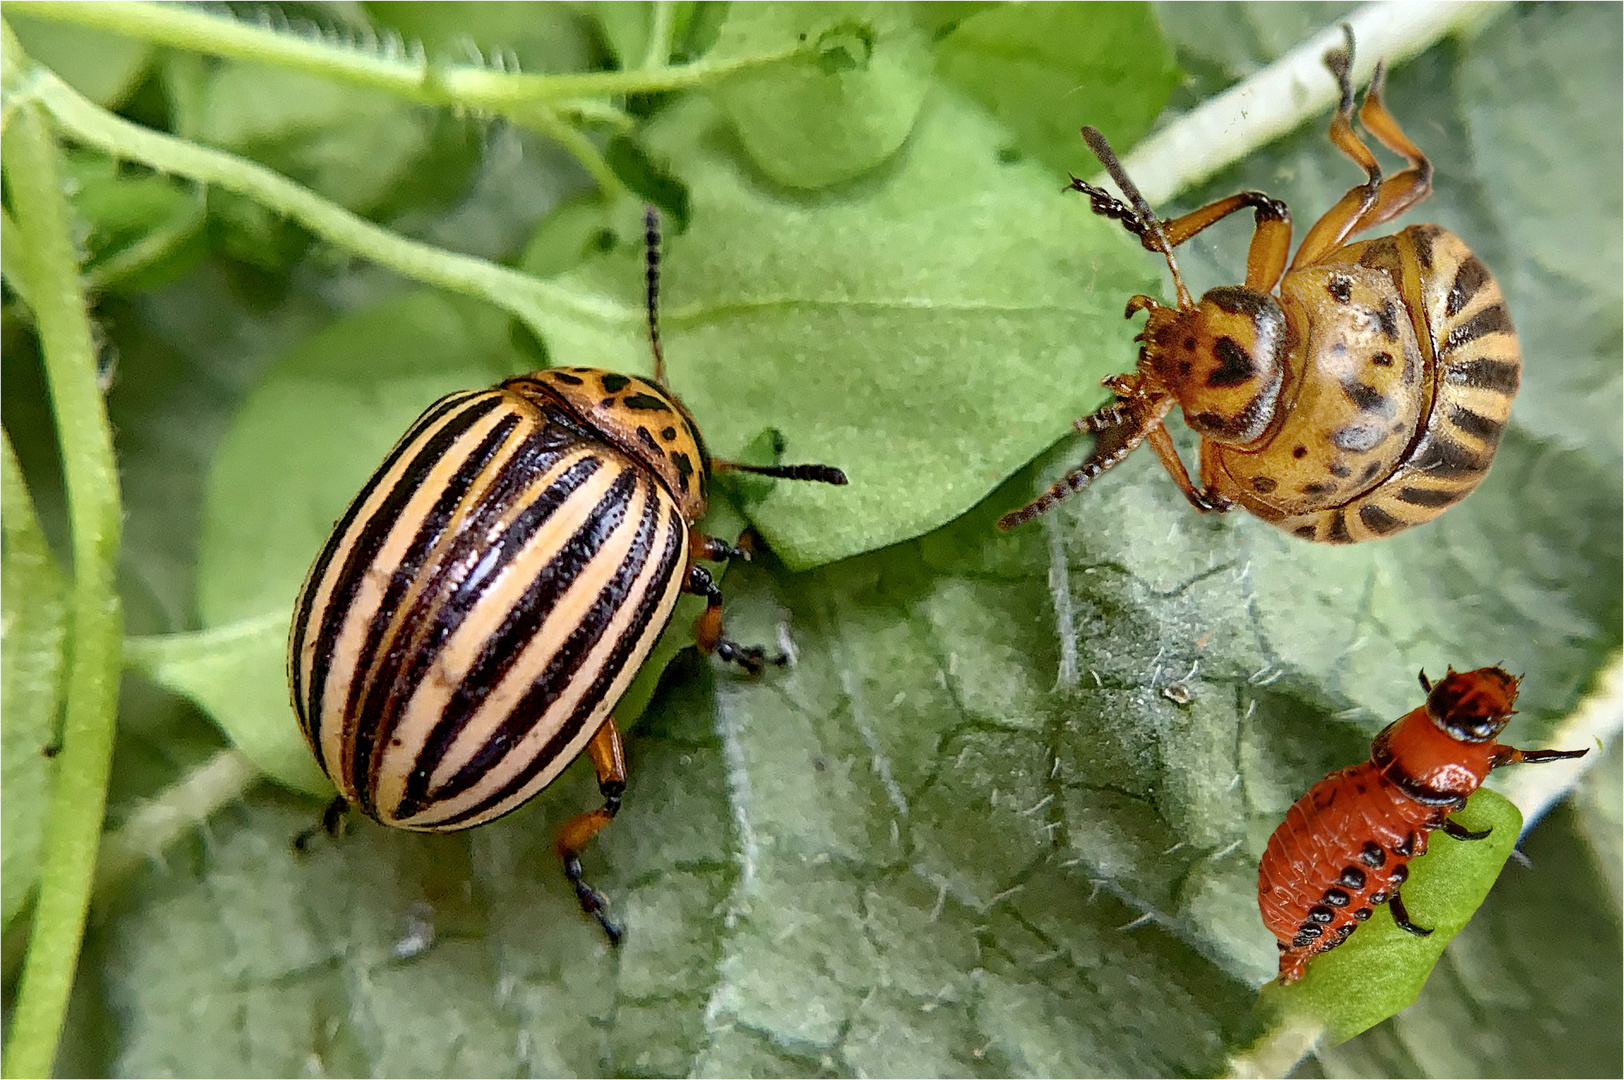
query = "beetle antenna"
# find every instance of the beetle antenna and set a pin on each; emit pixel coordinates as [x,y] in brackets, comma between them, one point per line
[820,474]
[1102,150]
[651,241]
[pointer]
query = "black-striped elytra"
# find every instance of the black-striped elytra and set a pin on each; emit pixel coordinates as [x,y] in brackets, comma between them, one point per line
[1366,397]
[491,591]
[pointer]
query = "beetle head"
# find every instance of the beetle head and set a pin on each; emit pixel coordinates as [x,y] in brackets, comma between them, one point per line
[1473,706]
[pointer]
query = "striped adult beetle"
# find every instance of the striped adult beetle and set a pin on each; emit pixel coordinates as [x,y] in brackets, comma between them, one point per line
[487,597]
[1369,396]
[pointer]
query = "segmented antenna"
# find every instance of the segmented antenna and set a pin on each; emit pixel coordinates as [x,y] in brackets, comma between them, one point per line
[651,241]
[1152,224]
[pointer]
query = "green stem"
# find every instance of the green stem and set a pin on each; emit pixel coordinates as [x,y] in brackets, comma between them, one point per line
[661,27]
[544,306]
[79,795]
[412,77]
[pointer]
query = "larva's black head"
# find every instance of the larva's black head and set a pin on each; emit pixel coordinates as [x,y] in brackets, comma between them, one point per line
[1473,706]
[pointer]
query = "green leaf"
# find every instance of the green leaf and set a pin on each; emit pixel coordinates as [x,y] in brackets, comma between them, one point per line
[1519,992]
[33,596]
[144,230]
[940,324]
[237,674]
[104,67]
[1047,69]
[1381,968]
[835,112]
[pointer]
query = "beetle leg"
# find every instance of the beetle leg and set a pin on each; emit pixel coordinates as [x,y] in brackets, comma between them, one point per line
[1402,917]
[1206,500]
[335,819]
[1461,832]
[1398,193]
[1118,428]
[1332,231]
[609,762]
[1510,755]
[708,630]
[714,548]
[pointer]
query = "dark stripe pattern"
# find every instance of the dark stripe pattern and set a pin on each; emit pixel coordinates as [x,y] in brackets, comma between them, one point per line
[479,609]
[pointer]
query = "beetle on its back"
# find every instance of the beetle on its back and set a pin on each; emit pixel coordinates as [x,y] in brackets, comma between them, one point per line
[1368,396]
[488,596]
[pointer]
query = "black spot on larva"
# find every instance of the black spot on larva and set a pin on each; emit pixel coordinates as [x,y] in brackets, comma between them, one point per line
[1477,424]
[1369,399]
[1378,897]
[1352,878]
[568,379]
[1235,364]
[1502,375]
[1407,846]
[614,384]
[1307,532]
[1321,914]
[1338,469]
[1372,854]
[1310,931]
[1264,484]
[1342,933]
[1491,320]
[1379,521]
[1316,488]
[1400,875]
[1184,367]
[668,433]
[1189,344]
[1340,288]
[1303,941]
[1336,898]
[1468,280]
[1363,913]
[1444,457]
[1387,319]
[1299,452]
[1382,359]
[1429,496]
[646,437]
[647,401]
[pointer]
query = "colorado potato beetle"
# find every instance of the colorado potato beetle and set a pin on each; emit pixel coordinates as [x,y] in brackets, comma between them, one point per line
[1345,847]
[487,597]
[1368,396]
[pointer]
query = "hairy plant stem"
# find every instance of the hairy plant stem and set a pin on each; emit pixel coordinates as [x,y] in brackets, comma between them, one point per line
[79,793]
[411,75]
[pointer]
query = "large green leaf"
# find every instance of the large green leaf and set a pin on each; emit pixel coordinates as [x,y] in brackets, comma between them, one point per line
[1002,816]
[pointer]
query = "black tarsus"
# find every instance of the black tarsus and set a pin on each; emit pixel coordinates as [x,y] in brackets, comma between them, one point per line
[334,820]
[1402,917]
[1460,832]
[750,657]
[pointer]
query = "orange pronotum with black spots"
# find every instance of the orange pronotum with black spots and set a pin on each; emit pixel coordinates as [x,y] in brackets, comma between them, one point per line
[1345,847]
[1368,396]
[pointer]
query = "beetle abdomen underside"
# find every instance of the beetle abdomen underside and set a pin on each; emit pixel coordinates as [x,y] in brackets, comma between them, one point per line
[1472,369]
[478,611]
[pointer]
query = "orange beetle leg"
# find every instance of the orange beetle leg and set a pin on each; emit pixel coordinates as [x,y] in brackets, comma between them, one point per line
[609,762]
